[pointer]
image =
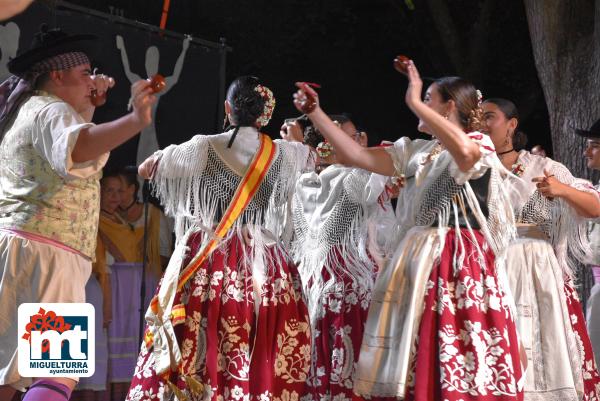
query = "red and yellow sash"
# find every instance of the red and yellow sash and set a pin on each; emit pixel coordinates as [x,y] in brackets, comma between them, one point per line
[243,195]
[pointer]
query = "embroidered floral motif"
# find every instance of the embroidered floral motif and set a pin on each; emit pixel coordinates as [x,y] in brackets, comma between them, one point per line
[468,293]
[591,378]
[466,314]
[293,361]
[339,335]
[486,370]
[518,169]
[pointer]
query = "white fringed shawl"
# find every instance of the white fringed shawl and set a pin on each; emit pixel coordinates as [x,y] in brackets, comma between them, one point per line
[195,181]
[330,212]
[437,189]
[565,229]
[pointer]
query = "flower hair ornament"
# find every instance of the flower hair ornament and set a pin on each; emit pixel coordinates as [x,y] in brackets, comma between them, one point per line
[479,98]
[324,149]
[269,99]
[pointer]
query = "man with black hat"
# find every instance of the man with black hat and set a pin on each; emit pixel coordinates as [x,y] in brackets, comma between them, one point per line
[592,156]
[51,157]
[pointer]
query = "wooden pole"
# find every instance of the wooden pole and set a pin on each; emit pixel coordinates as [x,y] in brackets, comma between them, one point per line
[165,13]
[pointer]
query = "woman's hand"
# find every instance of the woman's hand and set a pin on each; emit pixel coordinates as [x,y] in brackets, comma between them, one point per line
[306,99]
[147,169]
[549,186]
[291,131]
[415,86]
[142,99]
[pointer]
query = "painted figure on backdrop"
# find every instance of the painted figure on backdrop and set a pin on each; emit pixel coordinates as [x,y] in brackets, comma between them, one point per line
[9,44]
[148,143]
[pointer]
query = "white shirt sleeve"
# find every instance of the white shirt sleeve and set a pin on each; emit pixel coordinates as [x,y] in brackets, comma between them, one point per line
[488,152]
[54,137]
[400,152]
[374,188]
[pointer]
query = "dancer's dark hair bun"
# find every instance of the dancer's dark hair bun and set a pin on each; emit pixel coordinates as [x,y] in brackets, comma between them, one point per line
[246,103]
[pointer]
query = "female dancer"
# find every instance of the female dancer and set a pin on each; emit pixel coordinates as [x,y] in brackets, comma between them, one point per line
[550,213]
[228,321]
[331,211]
[440,326]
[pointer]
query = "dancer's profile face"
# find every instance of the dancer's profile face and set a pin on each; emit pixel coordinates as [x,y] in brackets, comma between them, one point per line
[434,100]
[592,153]
[497,125]
[74,86]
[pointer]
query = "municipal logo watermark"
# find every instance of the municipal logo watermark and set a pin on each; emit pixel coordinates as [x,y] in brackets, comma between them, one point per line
[56,340]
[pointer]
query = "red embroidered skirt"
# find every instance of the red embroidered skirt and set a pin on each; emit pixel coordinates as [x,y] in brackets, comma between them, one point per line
[467,346]
[238,346]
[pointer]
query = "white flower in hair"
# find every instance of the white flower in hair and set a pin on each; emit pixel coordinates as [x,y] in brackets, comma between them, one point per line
[267,113]
[479,97]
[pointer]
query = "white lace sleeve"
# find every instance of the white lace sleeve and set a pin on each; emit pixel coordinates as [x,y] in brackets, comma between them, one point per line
[363,187]
[188,158]
[569,229]
[563,174]
[299,152]
[488,159]
[177,176]
[595,243]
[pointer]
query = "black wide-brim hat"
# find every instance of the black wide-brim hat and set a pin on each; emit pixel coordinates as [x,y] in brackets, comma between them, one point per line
[593,132]
[49,43]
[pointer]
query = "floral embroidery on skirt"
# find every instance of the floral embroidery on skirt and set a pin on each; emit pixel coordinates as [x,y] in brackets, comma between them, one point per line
[236,346]
[467,346]
[337,337]
[591,378]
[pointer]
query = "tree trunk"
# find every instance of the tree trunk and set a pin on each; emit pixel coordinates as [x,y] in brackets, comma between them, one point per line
[440,13]
[565,36]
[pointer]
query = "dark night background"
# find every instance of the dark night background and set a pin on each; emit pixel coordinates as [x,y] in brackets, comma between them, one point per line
[348,48]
